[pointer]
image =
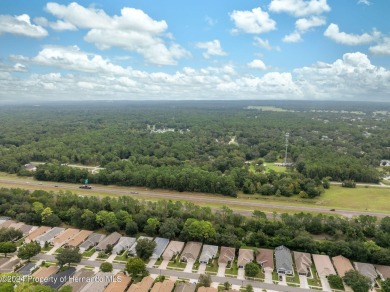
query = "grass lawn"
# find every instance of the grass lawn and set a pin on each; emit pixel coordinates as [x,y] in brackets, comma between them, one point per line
[46,249]
[213,266]
[103,257]
[177,265]
[123,257]
[294,279]
[271,166]
[89,252]
[315,281]
[233,270]
[58,250]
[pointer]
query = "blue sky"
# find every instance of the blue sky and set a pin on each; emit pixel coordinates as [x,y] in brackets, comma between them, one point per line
[272,49]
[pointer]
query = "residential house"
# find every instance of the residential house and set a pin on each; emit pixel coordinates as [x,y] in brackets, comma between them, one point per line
[191,251]
[283,259]
[80,280]
[208,253]
[124,243]
[45,272]
[367,270]
[100,285]
[27,269]
[27,229]
[132,249]
[265,258]
[91,241]
[56,281]
[185,287]
[226,255]
[245,256]
[302,262]
[173,249]
[323,265]
[207,289]
[161,244]
[142,286]
[120,284]
[48,236]
[383,272]
[342,265]
[79,238]
[111,239]
[36,233]
[165,286]
[64,237]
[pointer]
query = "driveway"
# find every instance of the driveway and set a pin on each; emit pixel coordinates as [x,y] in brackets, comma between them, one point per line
[221,270]
[188,268]
[303,281]
[111,258]
[268,277]
[164,264]
[151,263]
[50,252]
[283,282]
[241,274]
[94,256]
[202,269]
[325,284]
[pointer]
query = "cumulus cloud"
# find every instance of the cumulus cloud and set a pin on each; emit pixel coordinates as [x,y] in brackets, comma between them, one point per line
[213,48]
[365,2]
[333,32]
[303,25]
[299,8]
[255,21]
[257,64]
[264,44]
[382,48]
[352,77]
[133,30]
[21,25]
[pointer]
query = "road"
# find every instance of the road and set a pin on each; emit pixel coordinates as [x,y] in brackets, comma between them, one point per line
[193,198]
[180,274]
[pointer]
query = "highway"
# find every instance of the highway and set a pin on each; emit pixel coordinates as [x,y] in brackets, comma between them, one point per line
[230,202]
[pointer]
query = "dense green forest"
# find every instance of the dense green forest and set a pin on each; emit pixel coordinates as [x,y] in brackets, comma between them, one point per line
[216,147]
[363,238]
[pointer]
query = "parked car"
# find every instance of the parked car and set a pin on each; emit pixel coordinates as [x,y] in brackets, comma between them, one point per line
[85,187]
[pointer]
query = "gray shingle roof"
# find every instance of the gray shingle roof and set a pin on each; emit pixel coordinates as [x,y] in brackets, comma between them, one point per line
[208,252]
[92,240]
[161,244]
[57,280]
[283,259]
[110,239]
[26,270]
[49,235]
[124,243]
[367,270]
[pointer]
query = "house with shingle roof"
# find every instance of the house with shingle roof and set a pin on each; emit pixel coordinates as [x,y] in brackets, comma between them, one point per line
[383,272]
[173,249]
[111,239]
[245,256]
[342,265]
[302,262]
[191,251]
[91,241]
[367,270]
[208,253]
[323,265]
[226,255]
[161,244]
[283,259]
[265,258]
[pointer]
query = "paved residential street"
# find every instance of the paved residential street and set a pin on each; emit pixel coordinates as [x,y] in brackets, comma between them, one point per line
[186,275]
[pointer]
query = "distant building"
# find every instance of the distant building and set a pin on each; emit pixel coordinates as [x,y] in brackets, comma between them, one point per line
[30,167]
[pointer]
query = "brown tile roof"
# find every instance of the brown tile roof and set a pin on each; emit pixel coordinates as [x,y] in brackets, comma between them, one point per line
[165,286]
[265,258]
[227,254]
[45,272]
[81,279]
[207,289]
[244,256]
[323,265]
[191,251]
[79,238]
[142,286]
[174,248]
[65,236]
[37,232]
[383,271]
[342,265]
[7,223]
[120,285]
[302,262]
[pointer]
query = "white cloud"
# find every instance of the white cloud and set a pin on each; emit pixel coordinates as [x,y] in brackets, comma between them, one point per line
[133,30]
[382,48]
[257,64]
[333,32]
[21,25]
[264,44]
[255,21]
[62,25]
[293,37]
[213,48]
[352,77]
[210,21]
[299,8]
[303,25]
[365,2]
